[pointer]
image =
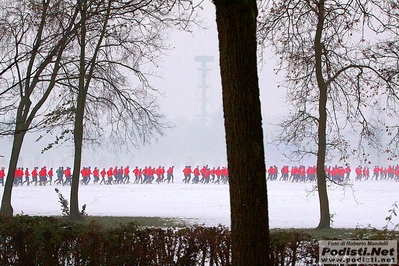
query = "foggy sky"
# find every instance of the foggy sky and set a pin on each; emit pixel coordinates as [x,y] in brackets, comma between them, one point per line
[178,81]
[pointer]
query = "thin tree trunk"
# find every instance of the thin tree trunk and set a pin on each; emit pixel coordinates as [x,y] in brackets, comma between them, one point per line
[78,141]
[79,117]
[321,152]
[236,22]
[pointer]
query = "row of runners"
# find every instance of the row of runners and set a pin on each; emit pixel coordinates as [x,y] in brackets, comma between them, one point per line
[336,173]
[205,174]
[115,175]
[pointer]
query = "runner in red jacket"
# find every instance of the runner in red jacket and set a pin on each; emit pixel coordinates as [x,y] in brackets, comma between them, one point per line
[196,173]
[169,174]
[358,172]
[224,174]
[96,175]
[18,176]
[126,175]
[103,173]
[43,176]
[136,171]
[284,173]
[187,174]
[27,174]
[110,173]
[50,175]
[218,173]
[213,174]
[67,174]
[2,175]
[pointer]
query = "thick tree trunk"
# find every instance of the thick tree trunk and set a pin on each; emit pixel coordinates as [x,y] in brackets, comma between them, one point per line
[6,207]
[321,152]
[236,22]
[21,128]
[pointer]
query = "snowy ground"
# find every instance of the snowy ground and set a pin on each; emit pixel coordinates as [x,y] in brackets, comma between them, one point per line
[291,205]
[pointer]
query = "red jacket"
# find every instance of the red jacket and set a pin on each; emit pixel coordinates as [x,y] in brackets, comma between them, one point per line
[126,171]
[218,172]
[103,173]
[285,170]
[67,173]
[136,171]
[43,172]
[150,171]
[109,172]
[19,173]
[96,172]
[187,170]
[196,172]
[224,172]
[115,172]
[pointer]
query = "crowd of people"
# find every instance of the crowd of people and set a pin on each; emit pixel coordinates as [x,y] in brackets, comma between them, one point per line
[338,174]
[205,174]
[115,175]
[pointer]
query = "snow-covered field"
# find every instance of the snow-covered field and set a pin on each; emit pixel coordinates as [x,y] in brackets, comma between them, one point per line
[291,205]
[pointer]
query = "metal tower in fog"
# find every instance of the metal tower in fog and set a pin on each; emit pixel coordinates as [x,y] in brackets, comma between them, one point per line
[203,59]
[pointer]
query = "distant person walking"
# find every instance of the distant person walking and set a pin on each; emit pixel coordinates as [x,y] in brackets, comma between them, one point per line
[2,175]
[27,174]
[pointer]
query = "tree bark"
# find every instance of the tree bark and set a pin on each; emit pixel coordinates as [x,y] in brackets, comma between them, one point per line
[321,152]
[36,64]
[21,127]
[6,207]
[236,23]
[74,213]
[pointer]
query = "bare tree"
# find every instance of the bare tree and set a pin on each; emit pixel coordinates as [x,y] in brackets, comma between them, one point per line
[115,39]
[35,35]
[236,22]
[92,96]
[333,80]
